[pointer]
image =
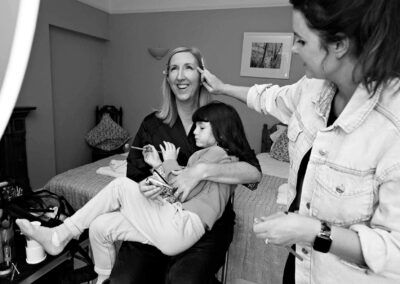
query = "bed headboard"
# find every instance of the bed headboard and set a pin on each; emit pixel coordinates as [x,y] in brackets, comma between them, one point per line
[266,141]
[115,113]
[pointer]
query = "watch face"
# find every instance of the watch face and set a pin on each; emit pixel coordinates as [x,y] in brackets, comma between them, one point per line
[323,240]
[322,243]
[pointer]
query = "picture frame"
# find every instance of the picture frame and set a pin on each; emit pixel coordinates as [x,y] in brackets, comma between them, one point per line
[266,55]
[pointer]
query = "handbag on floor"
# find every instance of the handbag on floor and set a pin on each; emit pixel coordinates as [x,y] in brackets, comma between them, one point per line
[44,206]
[50,209]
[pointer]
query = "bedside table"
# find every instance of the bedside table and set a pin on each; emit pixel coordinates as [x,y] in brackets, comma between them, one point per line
[30,273]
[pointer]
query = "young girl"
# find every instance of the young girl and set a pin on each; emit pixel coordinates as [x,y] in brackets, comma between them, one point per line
[171,227]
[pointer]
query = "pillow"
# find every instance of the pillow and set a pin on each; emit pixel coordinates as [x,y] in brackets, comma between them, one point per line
[279,149]
[279,130]
[107,135]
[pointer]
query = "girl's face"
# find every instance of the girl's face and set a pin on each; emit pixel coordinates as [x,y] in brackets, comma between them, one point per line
[183,77]
[203,135]
[307,45]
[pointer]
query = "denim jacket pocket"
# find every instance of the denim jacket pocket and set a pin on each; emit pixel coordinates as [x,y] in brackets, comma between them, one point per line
[342,198]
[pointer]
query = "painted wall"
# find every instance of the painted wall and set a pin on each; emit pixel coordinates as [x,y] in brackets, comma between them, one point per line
[37,89]
[134,77]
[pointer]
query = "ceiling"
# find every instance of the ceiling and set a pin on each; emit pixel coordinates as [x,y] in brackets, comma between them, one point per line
[144,6]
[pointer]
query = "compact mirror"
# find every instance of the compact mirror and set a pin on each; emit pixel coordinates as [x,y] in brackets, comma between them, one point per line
[17,28]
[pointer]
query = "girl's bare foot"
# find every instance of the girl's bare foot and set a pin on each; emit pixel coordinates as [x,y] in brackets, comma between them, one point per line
[53,240]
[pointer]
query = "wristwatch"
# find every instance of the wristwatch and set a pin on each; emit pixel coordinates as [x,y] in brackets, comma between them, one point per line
[323,241]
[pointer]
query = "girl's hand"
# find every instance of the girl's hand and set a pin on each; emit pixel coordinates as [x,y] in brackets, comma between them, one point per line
[285,229]
[211,82]
[151,156]
[149,191]
[169,151]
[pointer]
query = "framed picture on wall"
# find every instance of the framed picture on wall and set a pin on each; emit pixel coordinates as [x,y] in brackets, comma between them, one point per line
[266,55]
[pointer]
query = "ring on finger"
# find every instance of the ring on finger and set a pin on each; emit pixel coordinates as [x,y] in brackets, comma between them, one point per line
[266,241]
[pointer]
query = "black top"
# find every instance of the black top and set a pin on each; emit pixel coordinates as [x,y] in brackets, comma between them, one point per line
[289,272]
[153,131]
[302,170]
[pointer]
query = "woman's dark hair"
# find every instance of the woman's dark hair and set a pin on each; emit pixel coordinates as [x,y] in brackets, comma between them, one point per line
[372,26]
[226,126]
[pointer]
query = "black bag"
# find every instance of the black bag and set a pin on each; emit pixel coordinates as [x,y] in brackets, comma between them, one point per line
[42,205]
[36,206]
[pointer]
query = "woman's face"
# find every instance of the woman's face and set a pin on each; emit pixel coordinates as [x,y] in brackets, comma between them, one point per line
[308,46]
[183,77]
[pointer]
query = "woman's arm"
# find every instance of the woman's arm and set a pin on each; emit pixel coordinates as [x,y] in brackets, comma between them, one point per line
[346,245]
[287,229]
[374,244]
[217,87]
[230,173]
[274,100]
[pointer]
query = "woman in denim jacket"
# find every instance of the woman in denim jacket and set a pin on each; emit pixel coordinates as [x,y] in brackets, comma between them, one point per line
[344,143]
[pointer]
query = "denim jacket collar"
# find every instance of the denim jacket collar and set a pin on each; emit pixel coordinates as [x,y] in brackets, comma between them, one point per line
[323,100]
[356,110]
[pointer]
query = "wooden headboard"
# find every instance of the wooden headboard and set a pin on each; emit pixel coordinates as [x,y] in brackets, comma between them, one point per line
[115,114]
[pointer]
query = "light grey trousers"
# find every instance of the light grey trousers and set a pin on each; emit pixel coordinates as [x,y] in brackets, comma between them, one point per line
[121,212]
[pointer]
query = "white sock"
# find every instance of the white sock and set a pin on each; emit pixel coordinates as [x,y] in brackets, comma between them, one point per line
[101,278]
[55,240]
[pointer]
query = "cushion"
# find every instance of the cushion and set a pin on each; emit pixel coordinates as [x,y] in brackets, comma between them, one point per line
[107,135]
[279,149]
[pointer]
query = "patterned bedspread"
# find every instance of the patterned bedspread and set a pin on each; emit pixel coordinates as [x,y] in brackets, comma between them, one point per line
[82,183]
[249,258]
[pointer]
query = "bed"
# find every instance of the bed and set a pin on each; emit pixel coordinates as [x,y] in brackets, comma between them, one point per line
[250,260]
[80,184]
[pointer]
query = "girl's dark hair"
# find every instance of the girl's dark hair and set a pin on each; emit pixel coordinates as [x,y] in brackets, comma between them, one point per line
[372,26]
[226,126]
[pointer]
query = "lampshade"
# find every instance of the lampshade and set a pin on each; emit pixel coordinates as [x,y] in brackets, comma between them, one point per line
[158,52]
[21,26]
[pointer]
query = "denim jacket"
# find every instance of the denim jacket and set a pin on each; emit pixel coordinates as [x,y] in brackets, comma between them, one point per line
[353,176]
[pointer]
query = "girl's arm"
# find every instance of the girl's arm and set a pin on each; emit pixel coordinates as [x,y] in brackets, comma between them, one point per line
[151,156]
[169,151]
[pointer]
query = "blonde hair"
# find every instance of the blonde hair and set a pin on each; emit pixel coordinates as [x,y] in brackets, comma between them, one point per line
[168,112]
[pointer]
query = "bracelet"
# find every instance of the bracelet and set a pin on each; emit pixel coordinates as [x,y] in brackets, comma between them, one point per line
[160,171]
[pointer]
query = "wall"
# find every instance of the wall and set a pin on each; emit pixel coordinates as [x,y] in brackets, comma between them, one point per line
[37,89]
[131,78]
[134,77]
